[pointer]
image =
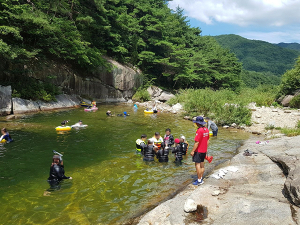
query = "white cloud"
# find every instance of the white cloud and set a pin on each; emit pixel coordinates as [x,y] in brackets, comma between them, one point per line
[273,37]
[241,12]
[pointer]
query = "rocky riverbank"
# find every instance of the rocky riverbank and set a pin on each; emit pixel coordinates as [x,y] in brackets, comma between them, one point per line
[260,188]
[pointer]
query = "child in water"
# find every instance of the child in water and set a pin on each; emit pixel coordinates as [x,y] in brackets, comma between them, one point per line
[5,136]
[178,151]
[184,145]
[168,139]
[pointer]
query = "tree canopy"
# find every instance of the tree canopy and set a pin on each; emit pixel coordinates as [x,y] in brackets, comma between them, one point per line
[144,33]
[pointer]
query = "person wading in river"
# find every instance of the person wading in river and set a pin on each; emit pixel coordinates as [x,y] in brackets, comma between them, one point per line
[200,148]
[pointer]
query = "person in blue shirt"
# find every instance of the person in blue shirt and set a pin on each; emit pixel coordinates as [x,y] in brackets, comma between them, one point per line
[5,136]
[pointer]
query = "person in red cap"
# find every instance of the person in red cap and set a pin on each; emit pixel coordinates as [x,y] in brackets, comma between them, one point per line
[200,148]
[177,150]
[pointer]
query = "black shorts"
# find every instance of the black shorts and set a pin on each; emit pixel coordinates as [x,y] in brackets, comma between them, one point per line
[199,157]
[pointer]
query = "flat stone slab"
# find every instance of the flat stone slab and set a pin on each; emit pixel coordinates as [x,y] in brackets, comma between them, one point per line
[250,194]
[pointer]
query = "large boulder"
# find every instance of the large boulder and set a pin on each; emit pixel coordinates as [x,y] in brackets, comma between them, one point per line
[154,91]
[165,96]
[5,100]
[286,100]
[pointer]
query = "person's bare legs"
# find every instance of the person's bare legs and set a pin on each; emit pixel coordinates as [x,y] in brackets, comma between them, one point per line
[199,169]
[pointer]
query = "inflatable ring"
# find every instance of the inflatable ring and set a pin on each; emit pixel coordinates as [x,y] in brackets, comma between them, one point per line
[148,112]
[3,141]
[67,128]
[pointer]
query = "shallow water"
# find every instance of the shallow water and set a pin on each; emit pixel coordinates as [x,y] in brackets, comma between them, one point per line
[110,182]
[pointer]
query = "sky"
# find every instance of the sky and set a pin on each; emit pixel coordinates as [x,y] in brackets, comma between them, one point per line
[273,21]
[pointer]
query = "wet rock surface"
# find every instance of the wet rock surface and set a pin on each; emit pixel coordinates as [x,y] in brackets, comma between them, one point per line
[5,100]
[27,106]
[257,189]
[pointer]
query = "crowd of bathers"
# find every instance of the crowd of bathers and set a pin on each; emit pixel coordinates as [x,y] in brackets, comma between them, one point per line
[160,147]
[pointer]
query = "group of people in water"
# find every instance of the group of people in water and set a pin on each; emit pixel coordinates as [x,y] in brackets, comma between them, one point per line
[161,147]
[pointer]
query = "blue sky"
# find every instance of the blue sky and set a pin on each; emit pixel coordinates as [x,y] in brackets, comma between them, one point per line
[268,20]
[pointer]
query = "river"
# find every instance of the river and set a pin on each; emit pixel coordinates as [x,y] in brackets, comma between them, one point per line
[110,182]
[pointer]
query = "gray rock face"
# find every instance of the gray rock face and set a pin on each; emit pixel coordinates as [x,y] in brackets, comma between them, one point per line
[104,85]
[25,106]
[286,100]
[5,100]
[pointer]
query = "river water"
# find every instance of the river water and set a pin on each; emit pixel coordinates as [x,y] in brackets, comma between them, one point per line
[110,182]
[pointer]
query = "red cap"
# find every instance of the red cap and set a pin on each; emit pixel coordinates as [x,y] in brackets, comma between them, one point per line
[177,141]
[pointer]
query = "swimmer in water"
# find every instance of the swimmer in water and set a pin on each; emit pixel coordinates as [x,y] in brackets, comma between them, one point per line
[79,124]
[63,123]
[5,136]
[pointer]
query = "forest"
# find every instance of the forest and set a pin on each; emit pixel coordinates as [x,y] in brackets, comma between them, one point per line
[260,56]
[146,34]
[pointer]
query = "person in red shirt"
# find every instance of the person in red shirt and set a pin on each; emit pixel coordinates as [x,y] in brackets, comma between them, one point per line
[200,148]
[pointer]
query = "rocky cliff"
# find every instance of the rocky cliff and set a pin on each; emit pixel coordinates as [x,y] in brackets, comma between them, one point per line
[112,83]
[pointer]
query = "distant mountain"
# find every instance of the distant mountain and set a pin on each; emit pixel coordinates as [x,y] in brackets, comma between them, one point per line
[294,46]
[260,56]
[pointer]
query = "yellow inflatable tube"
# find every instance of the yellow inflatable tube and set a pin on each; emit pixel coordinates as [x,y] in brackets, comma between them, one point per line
[60,128]
[148,112]
[3,141]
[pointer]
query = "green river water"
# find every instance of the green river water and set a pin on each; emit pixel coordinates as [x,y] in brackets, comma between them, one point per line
[111,183]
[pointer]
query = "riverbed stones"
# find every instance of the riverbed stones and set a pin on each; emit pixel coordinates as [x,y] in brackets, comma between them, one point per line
[190,206]
[5,100]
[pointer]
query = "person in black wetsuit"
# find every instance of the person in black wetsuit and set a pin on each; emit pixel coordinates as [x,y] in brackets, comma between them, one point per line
[150,151]
[178,151]
[57,172]
[184,145]
[163,154]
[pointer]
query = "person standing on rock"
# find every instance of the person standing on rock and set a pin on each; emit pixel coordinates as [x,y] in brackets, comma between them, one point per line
[200,148]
